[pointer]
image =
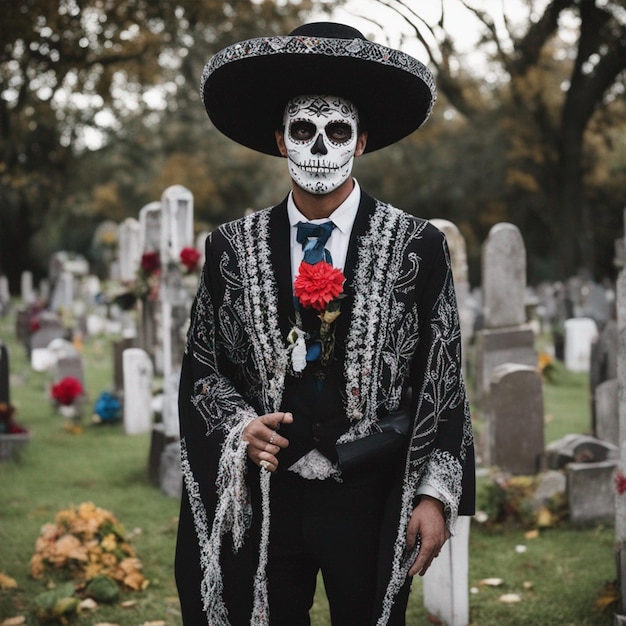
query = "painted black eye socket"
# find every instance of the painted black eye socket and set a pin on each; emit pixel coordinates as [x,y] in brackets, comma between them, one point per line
[339,132]
[302,131]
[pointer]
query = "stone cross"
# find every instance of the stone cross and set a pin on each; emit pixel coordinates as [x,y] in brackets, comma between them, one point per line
[129,253]
[138,374]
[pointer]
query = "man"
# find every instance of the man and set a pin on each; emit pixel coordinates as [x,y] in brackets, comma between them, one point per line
[324,421]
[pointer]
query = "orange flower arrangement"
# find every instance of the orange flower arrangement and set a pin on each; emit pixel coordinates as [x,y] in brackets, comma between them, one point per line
[87,541]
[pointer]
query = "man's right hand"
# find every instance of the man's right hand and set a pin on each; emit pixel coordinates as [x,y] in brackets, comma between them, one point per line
[264,442]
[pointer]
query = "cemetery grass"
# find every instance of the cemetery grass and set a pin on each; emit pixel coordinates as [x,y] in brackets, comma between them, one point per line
[558,578]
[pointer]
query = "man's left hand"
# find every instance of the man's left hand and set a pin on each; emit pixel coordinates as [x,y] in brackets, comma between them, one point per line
[428,521]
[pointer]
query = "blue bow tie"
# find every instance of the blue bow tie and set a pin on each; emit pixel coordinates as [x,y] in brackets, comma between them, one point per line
[313,238]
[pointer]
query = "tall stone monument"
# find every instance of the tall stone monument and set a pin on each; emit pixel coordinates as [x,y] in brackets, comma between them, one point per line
[506,337]
[129,253]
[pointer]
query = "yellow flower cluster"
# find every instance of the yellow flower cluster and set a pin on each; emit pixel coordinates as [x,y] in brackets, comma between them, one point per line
[87,541]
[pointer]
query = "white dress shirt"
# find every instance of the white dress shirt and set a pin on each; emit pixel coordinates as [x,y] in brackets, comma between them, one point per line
[343,217]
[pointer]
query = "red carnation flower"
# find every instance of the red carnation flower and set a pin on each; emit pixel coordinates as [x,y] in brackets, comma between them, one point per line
[150,262]
[318,284]
[67,390]
[189,257]
[620,483]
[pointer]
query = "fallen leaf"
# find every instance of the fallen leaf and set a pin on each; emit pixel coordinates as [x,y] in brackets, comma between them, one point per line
[128,604]
[14,621]
[6,582]
[491,582]
[531,534]
[88,604]
[528,585]
[510,598]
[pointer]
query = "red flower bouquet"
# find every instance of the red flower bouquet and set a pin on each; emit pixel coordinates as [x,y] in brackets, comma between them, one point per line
[8,425]
[190,257]
[150,262]
[317,285]
[67,390]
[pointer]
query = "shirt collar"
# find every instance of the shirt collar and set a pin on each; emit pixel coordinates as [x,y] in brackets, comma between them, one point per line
[343,216]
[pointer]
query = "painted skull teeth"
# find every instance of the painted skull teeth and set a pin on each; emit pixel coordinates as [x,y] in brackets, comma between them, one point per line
[318,161]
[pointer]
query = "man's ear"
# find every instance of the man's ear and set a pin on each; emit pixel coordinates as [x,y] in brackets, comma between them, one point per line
[361,142]
[280,142]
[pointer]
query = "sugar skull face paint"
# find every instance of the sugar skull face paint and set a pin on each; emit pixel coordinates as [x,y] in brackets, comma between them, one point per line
[320,137]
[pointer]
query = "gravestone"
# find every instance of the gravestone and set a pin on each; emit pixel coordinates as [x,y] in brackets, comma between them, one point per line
[170,472]
[119,346]
[505,337]
[580,333]
[5,296]
[5,391]
[597,305]
[575,448]
[62,296]
[515,427]
[26,288]
[50,327]
[590,492]
[150,227]
[603,363]
[607,411]
[129,252]
[176,234]
[504,277]
[138,373]
[446,583]
[70,365]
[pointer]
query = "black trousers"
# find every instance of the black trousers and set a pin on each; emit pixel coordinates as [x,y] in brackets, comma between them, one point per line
[319,525]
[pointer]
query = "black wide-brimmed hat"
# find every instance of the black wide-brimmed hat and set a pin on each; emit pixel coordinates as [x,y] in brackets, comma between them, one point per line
[246,86]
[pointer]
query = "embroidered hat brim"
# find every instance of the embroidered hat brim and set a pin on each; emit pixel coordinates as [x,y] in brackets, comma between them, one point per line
[246,86]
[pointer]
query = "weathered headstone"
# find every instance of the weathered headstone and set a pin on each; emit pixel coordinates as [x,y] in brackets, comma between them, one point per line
[506,337]
[446,583]
[5,296]
[504,277]
[170,475]
[580,333]
[150,227]
[597,305]
[62,296]
[575,448]
[26,288]
[70,365]
[590,492]
[607,411]
[138,373]
[129,253]
[516,421]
